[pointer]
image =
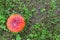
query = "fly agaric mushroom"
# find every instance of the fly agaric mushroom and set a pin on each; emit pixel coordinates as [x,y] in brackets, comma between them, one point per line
[15,23]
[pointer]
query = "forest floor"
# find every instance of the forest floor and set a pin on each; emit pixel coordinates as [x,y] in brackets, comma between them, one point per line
[42,19]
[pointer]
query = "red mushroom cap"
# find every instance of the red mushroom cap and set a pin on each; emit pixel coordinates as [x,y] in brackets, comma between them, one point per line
[15,23]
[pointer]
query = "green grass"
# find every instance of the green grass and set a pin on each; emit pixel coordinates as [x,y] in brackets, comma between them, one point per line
[48,28]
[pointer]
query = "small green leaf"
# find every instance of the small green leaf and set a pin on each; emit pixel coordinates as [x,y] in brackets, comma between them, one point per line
[43,9]
[18,37]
